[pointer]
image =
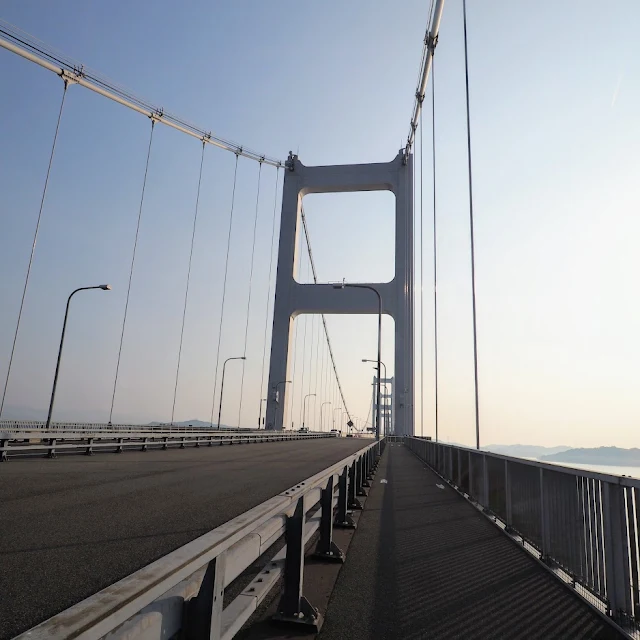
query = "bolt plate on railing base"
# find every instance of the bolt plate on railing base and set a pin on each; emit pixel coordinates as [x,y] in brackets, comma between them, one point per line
[308,617]
[335,554]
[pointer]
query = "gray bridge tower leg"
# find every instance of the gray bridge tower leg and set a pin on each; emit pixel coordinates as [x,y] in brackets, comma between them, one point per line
[292,298]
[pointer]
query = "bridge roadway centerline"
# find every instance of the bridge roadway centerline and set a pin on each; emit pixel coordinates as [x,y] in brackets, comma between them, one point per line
[72,526]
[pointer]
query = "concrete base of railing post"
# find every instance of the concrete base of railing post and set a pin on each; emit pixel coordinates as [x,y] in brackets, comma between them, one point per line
[144,444]
[119,447]
[3,454]
[165,446]
[89,450]
[203,614]
[52,451]
[294,608]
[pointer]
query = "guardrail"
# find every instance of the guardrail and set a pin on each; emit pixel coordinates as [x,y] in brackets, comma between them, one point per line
[582,522]
[39,425]
[49,443]
[184,590]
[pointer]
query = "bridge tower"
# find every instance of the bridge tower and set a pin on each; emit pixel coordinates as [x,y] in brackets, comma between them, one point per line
[293,298]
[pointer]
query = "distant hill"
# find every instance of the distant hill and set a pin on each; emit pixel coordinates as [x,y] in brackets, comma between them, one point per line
[601,455]
[524,450]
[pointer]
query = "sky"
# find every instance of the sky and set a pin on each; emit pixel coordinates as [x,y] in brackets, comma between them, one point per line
[555,135]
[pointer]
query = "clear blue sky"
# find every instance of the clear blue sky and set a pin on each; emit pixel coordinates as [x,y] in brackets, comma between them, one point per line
[555,152]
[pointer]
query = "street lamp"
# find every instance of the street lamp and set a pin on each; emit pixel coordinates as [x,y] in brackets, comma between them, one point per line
[222,385]
[104,287]
[304,401]
[334,415]
[322,405]
[385,377]
[275,389]
[260,415]
[367,286]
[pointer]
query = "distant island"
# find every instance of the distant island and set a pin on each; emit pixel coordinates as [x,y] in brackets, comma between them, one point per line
[523,450]
[601,455]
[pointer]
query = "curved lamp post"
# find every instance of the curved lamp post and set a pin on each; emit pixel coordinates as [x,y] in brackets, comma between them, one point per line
[222,385]
[322,405]
[275,389]
[104,287]
[309,395]
[334,415]
[370,288]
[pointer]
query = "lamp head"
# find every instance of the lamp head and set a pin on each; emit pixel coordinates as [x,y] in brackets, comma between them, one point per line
[105,287]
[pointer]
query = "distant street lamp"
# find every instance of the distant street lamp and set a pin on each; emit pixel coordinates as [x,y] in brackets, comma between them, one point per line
[275,389]
[385,377]
[309,395]
[334,415]
[322,405]
[222,385]
[367,286]
[260,415]
[104,287]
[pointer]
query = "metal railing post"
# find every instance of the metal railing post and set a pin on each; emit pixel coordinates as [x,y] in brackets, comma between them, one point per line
[545,530]
[294,607]
[616,548]
[485,483]
[354,503]
[89,450]
[204,612]
[4,456]
[470,474]
[507,490]
[459,468]
[52,451]
[343,519]
[327,549]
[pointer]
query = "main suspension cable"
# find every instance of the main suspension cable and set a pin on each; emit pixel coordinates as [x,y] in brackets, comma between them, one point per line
[33,245]
[421,283]
[246,326]
[186,289]
[224,288]
[133,261]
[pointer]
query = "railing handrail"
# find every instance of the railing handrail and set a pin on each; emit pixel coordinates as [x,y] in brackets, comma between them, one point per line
[550,466]
[106,610]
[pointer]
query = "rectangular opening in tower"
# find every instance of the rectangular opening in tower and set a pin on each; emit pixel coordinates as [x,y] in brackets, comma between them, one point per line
[352,237]
[314,399]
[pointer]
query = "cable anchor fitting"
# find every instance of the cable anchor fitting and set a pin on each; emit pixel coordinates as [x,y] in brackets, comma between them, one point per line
[431,43]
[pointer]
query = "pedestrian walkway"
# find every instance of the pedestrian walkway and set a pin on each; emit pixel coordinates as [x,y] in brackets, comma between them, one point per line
[424,563]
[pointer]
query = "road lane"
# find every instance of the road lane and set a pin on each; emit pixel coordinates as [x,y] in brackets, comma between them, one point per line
[71,526]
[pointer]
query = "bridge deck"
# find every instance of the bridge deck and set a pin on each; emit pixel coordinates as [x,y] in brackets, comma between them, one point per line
[426,564]
[70,527]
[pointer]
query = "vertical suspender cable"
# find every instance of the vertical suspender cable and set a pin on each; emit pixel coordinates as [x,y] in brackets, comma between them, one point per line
[186,289]
[133,261]
[304,364]
[473,266]
[435,240]
[421,284]
[246,326]
[224,288]
[33,245]
[266,315]
[295,357]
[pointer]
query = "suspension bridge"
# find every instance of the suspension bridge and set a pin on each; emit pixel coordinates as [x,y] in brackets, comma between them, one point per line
[279,513]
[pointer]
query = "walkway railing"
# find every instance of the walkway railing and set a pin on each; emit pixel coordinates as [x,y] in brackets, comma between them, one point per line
[184,590]
[582,522]
[39,425]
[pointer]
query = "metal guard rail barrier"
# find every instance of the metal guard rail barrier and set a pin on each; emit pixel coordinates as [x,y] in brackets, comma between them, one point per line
[185,588]
[585,523]
[39,425]
[50,444]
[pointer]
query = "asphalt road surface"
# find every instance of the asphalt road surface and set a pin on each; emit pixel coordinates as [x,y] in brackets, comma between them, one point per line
[71,526]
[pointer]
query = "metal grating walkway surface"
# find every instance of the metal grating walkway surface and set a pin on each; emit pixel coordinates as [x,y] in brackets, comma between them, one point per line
[426,564]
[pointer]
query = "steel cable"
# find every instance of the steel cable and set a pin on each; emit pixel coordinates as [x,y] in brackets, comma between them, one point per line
[224,288]
[33,246]
[186,290]
[133,260]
